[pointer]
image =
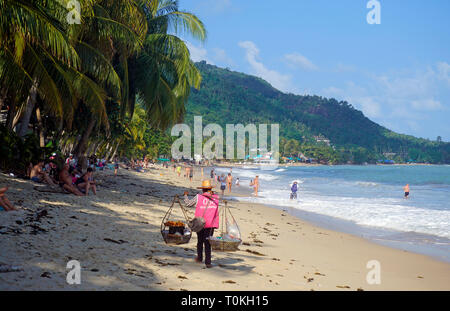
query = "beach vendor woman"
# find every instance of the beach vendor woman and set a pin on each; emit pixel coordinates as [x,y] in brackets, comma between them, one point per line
[206,206]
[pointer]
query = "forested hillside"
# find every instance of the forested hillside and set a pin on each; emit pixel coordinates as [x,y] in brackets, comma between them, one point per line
[306,122]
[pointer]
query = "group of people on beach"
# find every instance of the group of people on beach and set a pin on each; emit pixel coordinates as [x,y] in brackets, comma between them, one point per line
[69,177]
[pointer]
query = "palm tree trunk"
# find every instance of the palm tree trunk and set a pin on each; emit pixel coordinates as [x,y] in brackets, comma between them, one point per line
[40,128]
[11,114]
[109,151]
[82,144]
[29,106]
[115,151]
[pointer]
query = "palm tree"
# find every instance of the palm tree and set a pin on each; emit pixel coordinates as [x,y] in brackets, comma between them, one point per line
[31,37]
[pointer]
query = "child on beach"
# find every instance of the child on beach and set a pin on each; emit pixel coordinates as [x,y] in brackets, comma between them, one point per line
[116,166]
[237,182]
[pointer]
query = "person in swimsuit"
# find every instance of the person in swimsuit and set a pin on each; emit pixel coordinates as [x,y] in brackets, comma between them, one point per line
[5,204]
[116,166]
[255,184]
[37,174]
[191,173]
[223,184]
[406,189]
[229,182]
[87,182]
[65,181]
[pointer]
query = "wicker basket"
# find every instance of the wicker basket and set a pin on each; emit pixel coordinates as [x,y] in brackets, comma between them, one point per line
[218,244]
[175,238]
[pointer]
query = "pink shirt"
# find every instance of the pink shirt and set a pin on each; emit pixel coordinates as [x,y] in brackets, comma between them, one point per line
[212,209]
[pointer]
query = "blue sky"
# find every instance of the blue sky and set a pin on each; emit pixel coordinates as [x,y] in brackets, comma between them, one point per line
[397,72]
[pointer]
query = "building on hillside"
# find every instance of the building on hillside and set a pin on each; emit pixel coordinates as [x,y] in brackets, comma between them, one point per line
[321,139]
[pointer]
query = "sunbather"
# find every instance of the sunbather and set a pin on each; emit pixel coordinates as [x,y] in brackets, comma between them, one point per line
[86,182]
[65,181]
[5,204]
[37,174]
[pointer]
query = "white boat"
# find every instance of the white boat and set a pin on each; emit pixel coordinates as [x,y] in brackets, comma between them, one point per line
[267,164]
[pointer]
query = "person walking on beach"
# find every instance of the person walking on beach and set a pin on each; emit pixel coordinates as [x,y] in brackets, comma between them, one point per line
[206,206]
[294,189]
[191,173]
[406,189]
[116,166]
[179,170]
[229,182]
[223,184]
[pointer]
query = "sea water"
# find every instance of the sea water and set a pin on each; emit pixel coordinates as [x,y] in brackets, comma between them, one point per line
[365,200]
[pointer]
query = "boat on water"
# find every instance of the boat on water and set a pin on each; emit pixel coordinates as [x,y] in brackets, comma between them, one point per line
[262,164]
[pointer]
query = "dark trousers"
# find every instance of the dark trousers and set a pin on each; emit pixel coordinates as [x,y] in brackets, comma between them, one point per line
[202,236]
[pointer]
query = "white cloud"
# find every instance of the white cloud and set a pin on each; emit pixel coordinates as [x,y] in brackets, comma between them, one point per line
[369,105]
[444,71]
[427,105]
[221,56]
[198,53]
[405,101]
[340,67]
[278,80]
[300,61]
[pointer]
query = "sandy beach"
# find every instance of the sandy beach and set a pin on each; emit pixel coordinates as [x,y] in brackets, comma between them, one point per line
[116,238]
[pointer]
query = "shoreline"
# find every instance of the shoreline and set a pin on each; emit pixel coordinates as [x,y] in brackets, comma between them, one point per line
[415,242]
[282,165]
[115,236]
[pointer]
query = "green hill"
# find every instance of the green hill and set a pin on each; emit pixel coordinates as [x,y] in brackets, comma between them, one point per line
[305,121]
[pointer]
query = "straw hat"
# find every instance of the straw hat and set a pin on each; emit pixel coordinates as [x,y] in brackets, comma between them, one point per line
[206,184]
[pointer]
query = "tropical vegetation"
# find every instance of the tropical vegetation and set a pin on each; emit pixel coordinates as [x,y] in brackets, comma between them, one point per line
[93,76]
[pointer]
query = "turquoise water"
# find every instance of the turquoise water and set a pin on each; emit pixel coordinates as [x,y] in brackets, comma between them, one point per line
[367,199]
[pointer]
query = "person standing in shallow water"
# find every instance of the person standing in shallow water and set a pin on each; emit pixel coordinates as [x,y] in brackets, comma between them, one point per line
[207,206]
[406,189]
[229,182]
[255,184]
